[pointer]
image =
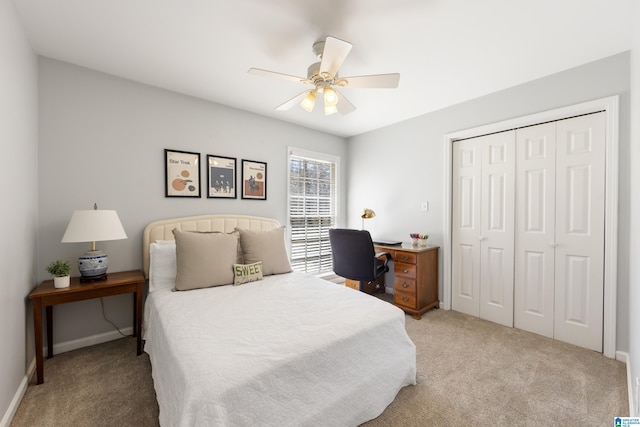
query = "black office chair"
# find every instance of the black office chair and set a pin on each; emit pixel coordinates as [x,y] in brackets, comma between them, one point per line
[354,257]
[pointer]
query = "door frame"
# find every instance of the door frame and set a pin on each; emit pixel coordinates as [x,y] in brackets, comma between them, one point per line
[611,106]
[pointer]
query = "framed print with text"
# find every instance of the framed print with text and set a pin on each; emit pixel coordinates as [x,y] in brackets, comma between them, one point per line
[181,173]
[221,177]
[254,180]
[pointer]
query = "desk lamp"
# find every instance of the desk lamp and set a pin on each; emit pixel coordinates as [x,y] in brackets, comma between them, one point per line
[93,226]
[367,214]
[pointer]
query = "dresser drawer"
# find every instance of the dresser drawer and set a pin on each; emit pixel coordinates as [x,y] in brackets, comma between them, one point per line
[405,284]
[353,284]
[404,300]
[405,270]
[408,257]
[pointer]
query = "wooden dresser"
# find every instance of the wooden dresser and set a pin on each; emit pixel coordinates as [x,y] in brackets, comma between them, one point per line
[415,284]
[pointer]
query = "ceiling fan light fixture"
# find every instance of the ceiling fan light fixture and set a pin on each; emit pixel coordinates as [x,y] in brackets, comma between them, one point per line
[330,97]
[309,101]
[330,109]
[323,78]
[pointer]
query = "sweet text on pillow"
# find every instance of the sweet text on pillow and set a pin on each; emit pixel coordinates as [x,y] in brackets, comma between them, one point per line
[245,273]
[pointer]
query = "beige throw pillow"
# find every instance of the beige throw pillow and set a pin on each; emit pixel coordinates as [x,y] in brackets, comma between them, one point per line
[266,246]
[245,273]
[204,259]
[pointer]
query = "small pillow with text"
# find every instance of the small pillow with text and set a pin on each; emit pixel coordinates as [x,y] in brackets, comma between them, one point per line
[245,273]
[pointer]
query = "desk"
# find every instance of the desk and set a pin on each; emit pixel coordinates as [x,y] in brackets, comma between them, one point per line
[415,284]
[46,295]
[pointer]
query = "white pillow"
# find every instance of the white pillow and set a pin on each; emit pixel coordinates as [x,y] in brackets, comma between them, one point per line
[162,265]
[166,242]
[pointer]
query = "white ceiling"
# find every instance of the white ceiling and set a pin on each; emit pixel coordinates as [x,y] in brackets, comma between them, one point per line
[446,51]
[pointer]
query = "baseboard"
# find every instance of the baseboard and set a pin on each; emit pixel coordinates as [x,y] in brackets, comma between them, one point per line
[57,349]
[623,356]
[63,347]
[17,398]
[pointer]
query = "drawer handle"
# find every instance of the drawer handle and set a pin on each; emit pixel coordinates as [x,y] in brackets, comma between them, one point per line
[405,299]
[404,270]
[404,257]
[405,285]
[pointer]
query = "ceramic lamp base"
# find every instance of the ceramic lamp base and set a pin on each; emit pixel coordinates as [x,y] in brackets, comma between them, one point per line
[93,265]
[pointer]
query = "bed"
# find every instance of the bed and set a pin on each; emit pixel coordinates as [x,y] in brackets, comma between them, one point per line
[287,350]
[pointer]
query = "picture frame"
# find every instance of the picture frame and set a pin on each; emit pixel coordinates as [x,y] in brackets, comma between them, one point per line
[221,177]
[181,173]
[254,180]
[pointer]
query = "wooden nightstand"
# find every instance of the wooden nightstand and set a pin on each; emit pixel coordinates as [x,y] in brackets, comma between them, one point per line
[46,295]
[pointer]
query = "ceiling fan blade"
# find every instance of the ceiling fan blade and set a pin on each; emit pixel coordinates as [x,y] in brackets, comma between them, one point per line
[293,101]
[344,106]
[371,81]
[334,53]
[267,73]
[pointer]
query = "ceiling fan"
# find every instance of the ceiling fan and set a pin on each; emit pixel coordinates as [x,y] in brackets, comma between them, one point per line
[323,76]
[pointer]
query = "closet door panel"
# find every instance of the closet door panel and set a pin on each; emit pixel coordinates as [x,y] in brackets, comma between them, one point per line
[535,229]
[465,279]
[580,231]
[497,227]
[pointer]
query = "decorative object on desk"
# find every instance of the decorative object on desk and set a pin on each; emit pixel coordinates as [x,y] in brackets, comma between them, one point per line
[419,239]
[93,226]
[254,180]
[181,173]
[61,272]
[367,214]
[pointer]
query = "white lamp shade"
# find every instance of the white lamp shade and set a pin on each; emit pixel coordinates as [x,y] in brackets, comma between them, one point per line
[94,226]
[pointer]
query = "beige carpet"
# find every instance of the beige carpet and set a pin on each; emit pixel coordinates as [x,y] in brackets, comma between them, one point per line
[470,372]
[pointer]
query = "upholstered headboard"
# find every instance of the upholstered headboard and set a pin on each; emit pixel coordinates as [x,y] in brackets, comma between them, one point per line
[162,229]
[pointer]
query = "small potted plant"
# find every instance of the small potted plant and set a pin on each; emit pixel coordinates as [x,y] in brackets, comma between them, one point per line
[60,270]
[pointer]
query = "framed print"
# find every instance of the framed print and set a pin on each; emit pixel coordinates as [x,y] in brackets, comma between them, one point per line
[181,173]
[221,177]
[254,180]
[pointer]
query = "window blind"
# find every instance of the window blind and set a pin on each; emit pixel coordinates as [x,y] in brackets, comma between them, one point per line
[312,212]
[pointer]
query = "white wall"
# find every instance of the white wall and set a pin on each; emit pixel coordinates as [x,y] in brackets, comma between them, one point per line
[102,139]
[634,193]
[392,170]
[18,211]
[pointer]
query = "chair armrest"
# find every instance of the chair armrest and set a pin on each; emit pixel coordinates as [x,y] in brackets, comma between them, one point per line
[384,267]
[387,255]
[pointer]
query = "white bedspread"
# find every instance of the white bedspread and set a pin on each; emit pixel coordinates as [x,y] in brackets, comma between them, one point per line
[290,350]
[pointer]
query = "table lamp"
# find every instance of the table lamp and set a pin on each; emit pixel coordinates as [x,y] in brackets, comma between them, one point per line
[367,214]
[93,226]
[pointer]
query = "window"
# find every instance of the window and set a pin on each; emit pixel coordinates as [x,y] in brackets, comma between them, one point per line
[313,181]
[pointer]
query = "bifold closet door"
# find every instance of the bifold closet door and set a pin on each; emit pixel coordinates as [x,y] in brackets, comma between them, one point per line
[559,250]
[580,191]
[465,245]
[535,229]
[497,227]
[483,224]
